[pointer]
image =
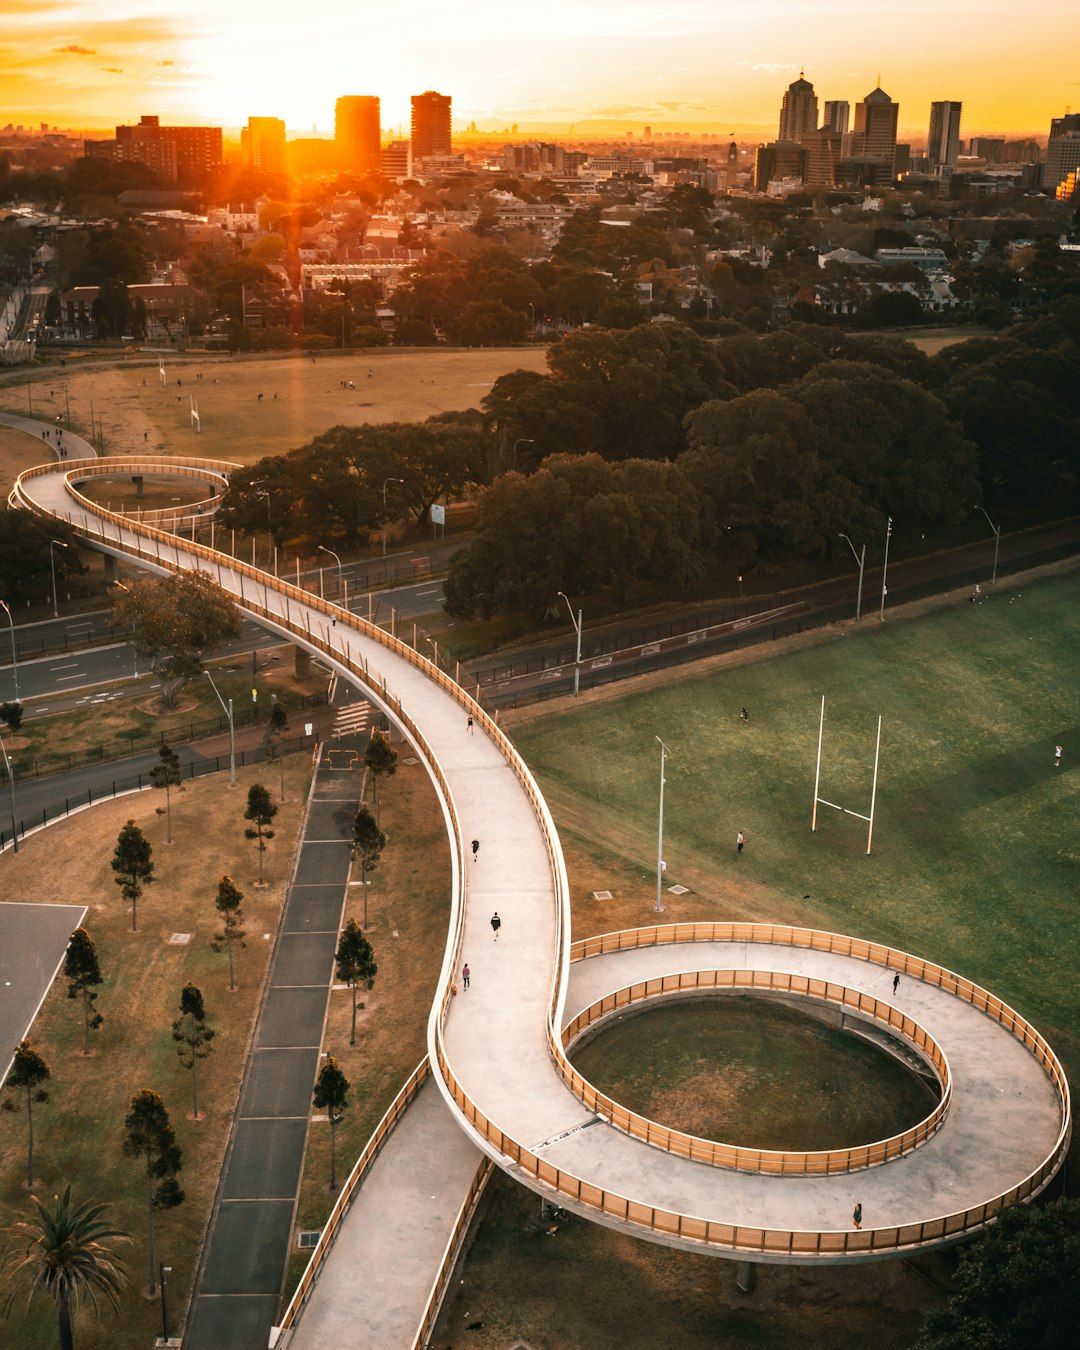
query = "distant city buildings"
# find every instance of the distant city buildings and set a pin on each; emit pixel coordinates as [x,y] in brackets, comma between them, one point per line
[358,134]
[837,115]
[798,111]
[876,120]
[1062,155]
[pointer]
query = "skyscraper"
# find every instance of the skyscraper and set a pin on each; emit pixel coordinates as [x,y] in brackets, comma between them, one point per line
[876,118]
[798,111]
[943,141]
[357,133]
[263,144]
[430,125]
[1062,150]
[837,115]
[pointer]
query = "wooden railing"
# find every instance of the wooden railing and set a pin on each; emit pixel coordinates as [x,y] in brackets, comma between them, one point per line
[450,1253]
[688,1229]
[785,1162]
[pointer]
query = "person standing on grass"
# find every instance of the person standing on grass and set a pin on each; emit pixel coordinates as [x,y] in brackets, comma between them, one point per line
[740,839]
[496,924]
[465,972]
[1057,756]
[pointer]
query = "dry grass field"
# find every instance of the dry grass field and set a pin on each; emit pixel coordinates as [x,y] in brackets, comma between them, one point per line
[302,396]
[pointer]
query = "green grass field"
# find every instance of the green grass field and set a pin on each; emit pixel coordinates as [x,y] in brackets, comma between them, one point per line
[974,864]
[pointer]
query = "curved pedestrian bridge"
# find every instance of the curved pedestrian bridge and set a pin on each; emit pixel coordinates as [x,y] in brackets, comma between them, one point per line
[997,1136]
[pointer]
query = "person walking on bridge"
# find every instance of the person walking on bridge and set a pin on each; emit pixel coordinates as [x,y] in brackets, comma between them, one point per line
[496,924]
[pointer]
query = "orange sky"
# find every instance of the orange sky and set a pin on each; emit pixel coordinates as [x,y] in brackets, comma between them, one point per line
[696,63]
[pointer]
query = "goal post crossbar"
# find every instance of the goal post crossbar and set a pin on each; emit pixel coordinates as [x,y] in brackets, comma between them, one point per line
[835,806]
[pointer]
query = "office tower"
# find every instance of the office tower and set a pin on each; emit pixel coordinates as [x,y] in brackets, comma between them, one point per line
[837,114]
[876,118]
[822,148]
[943,141]
[777,161]
[990,149]
[798,111]
[430,125]
[357,133]
[182,155]
[1062,150]
[263,144]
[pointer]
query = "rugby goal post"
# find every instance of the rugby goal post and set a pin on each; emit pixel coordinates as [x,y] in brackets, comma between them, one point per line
[835,805]
[161,369]
[195,416]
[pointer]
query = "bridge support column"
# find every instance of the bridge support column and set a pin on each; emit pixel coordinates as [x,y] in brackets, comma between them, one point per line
[139,483]
[111,568]
[301,662]
[746,1276]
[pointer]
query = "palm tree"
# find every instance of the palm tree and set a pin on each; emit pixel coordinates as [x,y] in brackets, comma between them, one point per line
[61,1252]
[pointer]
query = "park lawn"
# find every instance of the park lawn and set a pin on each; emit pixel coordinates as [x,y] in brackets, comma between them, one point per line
[408,916]
[302,396]
[972,863]
[79,1132]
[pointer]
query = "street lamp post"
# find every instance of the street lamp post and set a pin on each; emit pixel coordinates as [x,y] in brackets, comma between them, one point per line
[659,906]
[340,578]
[57,543]
[228,711]
[577,628]
[860,558]
[885,570]
[521,440]
[385,482]
[997,542]
[11,789]
[14,661]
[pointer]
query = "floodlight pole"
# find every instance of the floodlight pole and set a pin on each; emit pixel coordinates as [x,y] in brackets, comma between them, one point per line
[341,580]
[817,771]
[52,569]
[873,792]
[11,789]
[997,543]
[232,729]
[577,628]
[14,660]
[860,558]
[659,906]
[885,570]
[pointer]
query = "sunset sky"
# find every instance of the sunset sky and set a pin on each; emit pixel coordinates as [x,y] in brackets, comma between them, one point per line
[696,63]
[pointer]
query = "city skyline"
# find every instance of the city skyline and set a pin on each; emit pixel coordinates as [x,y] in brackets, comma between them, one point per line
[684,65]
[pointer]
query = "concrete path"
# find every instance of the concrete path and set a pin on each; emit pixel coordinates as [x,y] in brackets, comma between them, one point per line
[33,940]
[239,1282]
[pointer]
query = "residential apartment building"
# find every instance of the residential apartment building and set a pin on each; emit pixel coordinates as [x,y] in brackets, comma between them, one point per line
[263,144]
[943,140]
[184,155]
[357,133]
[430,125]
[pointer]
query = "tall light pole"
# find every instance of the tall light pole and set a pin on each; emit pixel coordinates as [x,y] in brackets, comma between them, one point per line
[232,729]
[521,440]
[659,906]
[997,542]
[164,1270]
[384,486]
[885,570]
[860,558]
[577,657]
[57,543]
[14,662]
[340,579]
[11,789]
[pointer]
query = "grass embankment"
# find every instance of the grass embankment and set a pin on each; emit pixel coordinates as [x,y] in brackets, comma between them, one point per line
[79,1132]
[972,866]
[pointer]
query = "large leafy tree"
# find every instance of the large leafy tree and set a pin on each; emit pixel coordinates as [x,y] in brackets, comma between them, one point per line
[261,810]
[25,556]
[150,1137]
[332,1096]
[66,1253]
[83,974]
[173,622]
[192,1036]
[1015,1287]
[29,1071]
[132,862]
[355,964]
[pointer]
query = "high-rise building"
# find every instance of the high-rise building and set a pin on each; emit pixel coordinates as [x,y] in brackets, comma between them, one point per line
[357,133]
[263,144]
[798,111]
[943,141]
[822,148]
[837,115]
[182,155]
[876,119]
[1062,150]
[430,125]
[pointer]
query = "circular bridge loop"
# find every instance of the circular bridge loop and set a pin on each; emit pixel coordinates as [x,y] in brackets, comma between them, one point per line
[783,1162]
[498,1055]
